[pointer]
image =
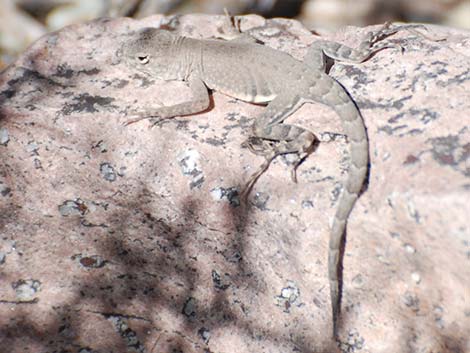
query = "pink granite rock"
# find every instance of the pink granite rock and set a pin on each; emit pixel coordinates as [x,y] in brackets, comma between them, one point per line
[129,239]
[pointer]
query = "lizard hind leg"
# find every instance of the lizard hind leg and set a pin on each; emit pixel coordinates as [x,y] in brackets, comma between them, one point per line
[302,145]
[372,43]
[270,151]
[272,138]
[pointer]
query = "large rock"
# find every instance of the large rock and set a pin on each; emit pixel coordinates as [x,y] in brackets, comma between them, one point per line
[124,239]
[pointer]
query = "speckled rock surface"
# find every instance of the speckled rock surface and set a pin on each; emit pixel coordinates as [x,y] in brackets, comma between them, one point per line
[129,239]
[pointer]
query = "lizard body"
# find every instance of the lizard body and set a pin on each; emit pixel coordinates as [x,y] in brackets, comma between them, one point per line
[256,73]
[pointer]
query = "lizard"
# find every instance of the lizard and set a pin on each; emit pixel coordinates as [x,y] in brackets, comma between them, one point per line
[246,70]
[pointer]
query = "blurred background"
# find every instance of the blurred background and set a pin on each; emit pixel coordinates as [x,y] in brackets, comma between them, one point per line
[23,21]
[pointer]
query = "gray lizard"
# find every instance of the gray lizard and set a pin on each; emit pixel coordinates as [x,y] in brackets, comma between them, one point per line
[255,73]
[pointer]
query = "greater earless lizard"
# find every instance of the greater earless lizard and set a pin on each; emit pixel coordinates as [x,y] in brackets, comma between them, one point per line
[255,73]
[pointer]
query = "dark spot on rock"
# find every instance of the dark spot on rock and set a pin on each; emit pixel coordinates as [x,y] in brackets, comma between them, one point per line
[389,130]
[414,132]
[87,103]
[214,141]
[353,342]
[449,151]
[128,335]
[218,282]
[232,255]
[4,190]
[64,71]
[28,76]
[410,159]
[145,81]
[307,204]
[399,103]
[94,261]
[425,115]
[8,93]
[90,72]
[37,163]
[205,334]
[189,307]
[196,183]
[230,194]
[72,208]
[122,83]
[394,119]
[411,301]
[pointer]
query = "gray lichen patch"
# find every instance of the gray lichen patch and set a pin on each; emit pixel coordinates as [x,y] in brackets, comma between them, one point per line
[230,194]
[108,172]
[75,207]
[190,307]
[86,103]
[353,342]
[5,190]
[409,122]
[190,166]
[129,336]
[26,289]
[453,151]
[289,296]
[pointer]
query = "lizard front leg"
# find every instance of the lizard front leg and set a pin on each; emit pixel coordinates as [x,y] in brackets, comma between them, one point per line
[199,103]
[281,138]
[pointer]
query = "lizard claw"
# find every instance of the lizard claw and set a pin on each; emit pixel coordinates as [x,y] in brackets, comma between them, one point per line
[246,189]
[300,159]
[132,121]
[155,120]
[397,46]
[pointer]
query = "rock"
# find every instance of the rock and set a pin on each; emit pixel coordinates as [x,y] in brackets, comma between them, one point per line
[164,258]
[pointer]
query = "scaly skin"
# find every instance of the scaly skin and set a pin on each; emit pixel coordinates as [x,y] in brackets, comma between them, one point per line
[255,73]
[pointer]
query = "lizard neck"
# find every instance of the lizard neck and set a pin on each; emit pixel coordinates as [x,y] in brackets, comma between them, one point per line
[188,57]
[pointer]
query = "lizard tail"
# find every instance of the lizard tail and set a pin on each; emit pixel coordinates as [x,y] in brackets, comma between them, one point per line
[354,128]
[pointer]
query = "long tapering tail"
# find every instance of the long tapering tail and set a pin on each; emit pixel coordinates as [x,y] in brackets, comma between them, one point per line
[355,130]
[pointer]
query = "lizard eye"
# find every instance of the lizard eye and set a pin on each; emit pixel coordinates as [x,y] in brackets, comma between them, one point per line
[143,59]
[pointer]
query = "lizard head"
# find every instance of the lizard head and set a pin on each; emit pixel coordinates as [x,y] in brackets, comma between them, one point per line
[150,50]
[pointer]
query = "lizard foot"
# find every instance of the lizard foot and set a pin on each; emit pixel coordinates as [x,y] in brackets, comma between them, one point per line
[388,29]
[300,158]
[232,30]
[156,116]
[259,146]
[246,189]
[271,149]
